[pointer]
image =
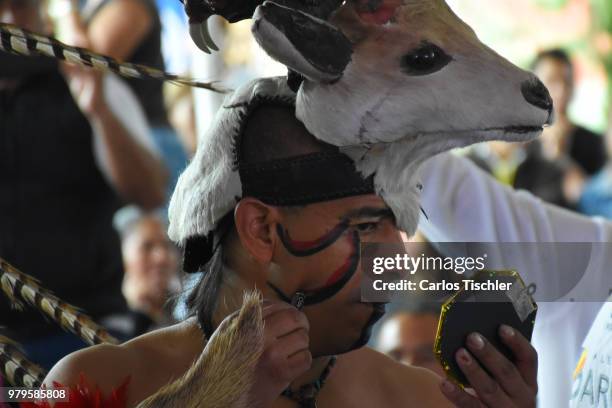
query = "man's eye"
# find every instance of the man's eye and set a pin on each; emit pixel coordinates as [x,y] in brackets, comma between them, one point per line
[366,226]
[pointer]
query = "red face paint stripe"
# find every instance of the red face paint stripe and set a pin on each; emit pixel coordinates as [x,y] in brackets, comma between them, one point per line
[338,273]
[319,295]
[307,248]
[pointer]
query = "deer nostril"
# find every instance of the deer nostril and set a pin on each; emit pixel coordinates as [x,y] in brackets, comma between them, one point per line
[536,94]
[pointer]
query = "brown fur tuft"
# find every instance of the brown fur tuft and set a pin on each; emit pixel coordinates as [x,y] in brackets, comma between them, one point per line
[223,374]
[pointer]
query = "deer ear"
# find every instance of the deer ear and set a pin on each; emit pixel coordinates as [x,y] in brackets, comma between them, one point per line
[304,43]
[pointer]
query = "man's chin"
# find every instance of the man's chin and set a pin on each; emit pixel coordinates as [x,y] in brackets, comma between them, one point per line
[377,312]
[343,343]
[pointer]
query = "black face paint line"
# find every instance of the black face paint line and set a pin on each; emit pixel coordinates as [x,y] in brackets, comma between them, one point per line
[366,332]
[339,278]
[279,292]
[308,248]
[334,284]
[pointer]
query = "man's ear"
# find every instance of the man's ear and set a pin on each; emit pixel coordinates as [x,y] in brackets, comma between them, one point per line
[255,223]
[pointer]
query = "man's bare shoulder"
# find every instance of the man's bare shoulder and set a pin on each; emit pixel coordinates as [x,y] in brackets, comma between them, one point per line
[105,365]
[400,385]
[150,361]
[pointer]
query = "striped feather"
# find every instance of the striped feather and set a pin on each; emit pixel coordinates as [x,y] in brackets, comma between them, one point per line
[16,368]
[20,41]
[23,289]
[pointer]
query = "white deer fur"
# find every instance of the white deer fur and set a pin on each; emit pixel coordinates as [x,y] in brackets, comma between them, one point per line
[388,121]
[210,186]
[374,101]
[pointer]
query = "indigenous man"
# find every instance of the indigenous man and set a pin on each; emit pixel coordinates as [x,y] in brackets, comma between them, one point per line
[265,205]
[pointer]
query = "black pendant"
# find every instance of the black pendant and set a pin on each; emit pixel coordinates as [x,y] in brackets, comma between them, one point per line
[308,396]
[309,403]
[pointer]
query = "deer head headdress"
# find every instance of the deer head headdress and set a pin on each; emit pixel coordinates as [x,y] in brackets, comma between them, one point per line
[392,82]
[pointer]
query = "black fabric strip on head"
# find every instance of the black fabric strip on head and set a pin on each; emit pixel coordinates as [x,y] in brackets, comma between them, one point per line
[305,179]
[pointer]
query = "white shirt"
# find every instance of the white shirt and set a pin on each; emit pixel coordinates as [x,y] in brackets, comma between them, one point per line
[464,204]
[593,374]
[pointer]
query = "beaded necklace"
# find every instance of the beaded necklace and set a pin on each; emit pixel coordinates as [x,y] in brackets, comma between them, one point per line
[306,395]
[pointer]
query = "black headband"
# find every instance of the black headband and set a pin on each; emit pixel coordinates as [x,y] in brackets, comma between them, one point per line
[305,179]
[297,180]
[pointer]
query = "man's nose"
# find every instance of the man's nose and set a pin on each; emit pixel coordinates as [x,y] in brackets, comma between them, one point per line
[161,254]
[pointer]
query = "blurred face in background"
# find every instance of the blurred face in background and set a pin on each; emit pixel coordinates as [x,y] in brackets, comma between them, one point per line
[409,339]
[151,265]
[557,77]
[28,14]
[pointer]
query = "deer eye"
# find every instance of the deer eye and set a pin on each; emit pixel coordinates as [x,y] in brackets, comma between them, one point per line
[426,59]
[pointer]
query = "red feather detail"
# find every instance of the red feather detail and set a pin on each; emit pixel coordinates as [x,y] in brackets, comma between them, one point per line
[84,396]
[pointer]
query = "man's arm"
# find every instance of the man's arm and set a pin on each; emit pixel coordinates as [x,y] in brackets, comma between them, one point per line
[103,366]
[464,204]
[128,163]
[116,30]
[504,384]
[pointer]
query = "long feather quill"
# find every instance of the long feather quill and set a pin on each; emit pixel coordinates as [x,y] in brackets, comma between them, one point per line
[23,289]
[16,368]
[20,41]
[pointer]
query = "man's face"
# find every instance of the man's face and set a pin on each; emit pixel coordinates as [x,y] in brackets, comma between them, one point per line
[409,339]
[556,76]
[318,253]
[150,262]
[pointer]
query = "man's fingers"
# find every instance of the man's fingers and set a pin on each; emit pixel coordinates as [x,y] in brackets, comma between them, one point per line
[524,353]
[271,307]
[285,321]
[487,388]
[458,397]
[293,343]
[288,356]
[300,362]
[504,372]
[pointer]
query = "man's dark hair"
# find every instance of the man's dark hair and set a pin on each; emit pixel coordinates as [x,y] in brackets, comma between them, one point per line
[555,54]
[270,132]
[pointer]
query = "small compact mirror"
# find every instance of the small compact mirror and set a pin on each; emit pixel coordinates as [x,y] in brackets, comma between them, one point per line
[485,302]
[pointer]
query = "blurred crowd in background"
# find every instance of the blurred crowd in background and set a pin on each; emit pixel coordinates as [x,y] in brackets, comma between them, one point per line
[89,219]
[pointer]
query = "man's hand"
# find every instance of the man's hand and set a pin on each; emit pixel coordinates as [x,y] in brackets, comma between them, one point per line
[85,83]
[286,352]
[512,385]
[86,88]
